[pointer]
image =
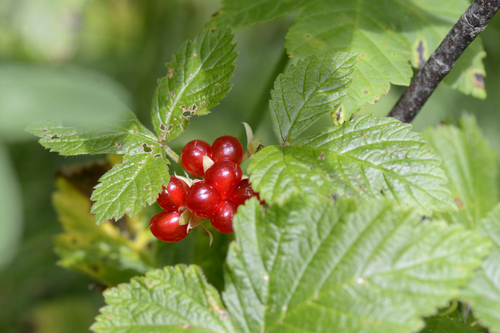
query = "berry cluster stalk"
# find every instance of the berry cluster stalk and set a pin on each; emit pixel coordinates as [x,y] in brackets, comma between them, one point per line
[471,23]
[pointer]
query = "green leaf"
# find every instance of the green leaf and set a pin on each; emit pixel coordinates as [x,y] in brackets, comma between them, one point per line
[362,27]
[197,80]
[311,89]
[471,166]
[368,157]
[446,325]
[425,25]
[331,268]
[175,299]
[244,13]
[101,252]
[483,291]
[128,186]
[127,136]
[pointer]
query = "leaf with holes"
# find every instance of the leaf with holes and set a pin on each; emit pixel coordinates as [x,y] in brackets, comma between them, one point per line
[197,80]
[128,186]
[375,268]
[243,13]
[471,166]
[311,89]
[127,136]
[368,157]
[174,299]
[101,252]
[483,291]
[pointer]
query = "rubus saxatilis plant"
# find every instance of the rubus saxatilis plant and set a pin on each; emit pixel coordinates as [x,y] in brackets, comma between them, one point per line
[367,226]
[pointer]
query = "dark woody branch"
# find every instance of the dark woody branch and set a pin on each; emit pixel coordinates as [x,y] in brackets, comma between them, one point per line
[440,63]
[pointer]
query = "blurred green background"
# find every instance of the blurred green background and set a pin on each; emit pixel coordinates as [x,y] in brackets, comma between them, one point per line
[81,59]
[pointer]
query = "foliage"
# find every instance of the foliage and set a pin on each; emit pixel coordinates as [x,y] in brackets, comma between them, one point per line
[367,225]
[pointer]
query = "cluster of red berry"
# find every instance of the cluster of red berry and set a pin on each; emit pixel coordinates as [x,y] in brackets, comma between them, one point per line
[217,196]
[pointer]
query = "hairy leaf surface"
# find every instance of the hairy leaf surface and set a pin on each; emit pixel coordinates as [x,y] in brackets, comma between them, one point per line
[471,166]
[197,80]
[128,186]
[331,267]
[311,89]
[127,136]
[484,289]
[101,252]
[174,299]
[368,157]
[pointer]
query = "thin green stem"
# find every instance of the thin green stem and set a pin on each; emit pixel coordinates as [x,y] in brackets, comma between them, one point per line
[255,117]
[172,154]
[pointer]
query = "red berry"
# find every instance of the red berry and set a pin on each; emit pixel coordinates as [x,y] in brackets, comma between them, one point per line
[173,196]
[227,148]
[192,156]
[224,176]
[222,220]
[242,192]
[202,199]
[165,226]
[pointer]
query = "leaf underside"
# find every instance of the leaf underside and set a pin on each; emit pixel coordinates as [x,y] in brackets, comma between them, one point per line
[368,157]
[333,268]
[197,80]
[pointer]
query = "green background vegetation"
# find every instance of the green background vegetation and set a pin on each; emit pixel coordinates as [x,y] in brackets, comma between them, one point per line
[122,46]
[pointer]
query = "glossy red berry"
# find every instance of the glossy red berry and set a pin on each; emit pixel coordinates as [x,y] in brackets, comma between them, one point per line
[165,226]
[202,199]
[192,156]
[173,196]
[242,192]
[222,220]
[227,148]
[224,176]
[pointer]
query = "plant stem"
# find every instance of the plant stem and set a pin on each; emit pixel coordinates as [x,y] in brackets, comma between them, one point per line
[471,23]
[255,117]
[172,154]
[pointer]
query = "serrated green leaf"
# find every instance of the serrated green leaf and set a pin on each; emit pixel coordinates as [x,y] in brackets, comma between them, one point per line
[128,186]
[368,157]
[483,291]
[243,13]
[309,90]
[425,24]
[127,136]
[446,325]
[331,267]
[101,252]
[175,299]
[197,80]
[364,27]
[471,166]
